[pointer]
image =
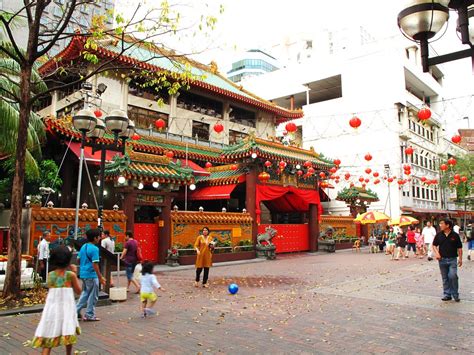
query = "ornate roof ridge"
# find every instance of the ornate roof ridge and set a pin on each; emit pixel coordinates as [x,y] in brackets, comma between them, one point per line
[148,158]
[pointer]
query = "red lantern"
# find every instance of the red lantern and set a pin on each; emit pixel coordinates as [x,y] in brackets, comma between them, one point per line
[355,122]
[282,165]
[390,179]
[337,162]
[332,177]
[310,171]
[452,161]
[456,139]
[423,179]
[400,182]
[351,184]
[263,177]
[368,157]
[424,114]
[457,176]
[443,167]
[409,150]
[98,113]
[322,175]
[361,179]
[376,181]
[364,185]
[160,124]
[234,167]
[407,172]
[333,170]
[136,137]
[307,164]
[368,170]
[299,172]
[347,176]
[218,127]
[376,174]
[267,164]
[290,127]
[208,165]
[434,181]
[463,178]
[367,180]
[170,154]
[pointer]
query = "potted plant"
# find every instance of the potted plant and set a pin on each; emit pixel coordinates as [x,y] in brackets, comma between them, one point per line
[172,257]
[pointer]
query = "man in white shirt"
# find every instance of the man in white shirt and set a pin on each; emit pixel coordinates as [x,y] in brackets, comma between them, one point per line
[429,232]
[43,253]
[456,228]
[106,242]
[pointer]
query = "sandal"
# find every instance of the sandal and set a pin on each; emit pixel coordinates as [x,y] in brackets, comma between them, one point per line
[205,285]
[95,319]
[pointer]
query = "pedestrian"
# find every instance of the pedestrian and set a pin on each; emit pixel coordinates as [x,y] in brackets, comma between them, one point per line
[107,242]
[470,242]
[204,246]
[58,325]
[90,275]
[43,254]
[447,247]
[420,243]
[148,287]
[401,244]
[456,228]
[411,241]
[130,255]
[391,236]
[429,233]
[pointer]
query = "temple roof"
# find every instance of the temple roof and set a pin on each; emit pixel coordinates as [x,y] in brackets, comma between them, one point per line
[223,175]
[148,168]
[353,193]
[274,151]
[211,218]
[149,57]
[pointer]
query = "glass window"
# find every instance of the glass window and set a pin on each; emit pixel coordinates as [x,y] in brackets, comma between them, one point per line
[243,117]
[432,194]
[422,192]
[144,118]
[236,137]
[200,130]
[436,195]
[418,191]
[413,191]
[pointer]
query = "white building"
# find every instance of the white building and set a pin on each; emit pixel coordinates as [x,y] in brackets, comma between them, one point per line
[383,84]
[252,63]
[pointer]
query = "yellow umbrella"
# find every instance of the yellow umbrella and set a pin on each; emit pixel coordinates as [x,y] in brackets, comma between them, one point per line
[403,221]
[371,217]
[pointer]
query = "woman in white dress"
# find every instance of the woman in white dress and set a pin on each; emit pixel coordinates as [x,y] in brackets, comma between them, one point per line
[58,325]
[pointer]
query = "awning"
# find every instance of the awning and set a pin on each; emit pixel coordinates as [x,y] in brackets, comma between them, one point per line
[425,210]
[197,170]
[212,192]
[89,157]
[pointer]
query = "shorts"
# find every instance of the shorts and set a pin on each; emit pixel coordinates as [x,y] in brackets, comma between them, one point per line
[411,246]
[148,296]
[470,244]
[129,271]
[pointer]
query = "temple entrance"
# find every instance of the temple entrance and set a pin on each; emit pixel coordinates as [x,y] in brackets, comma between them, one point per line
[146,231]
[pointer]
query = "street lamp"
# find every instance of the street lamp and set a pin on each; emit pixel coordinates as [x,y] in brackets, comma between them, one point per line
[122,128]
[423,19]
[388,173]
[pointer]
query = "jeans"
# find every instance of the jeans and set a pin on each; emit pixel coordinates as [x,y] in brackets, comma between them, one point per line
[206,275]
[449,273]
[429,249]
[129,271]
[89,296]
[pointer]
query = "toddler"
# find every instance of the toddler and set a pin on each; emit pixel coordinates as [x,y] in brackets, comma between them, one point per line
[149,285]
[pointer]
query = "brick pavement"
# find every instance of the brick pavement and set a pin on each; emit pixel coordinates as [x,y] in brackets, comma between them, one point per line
[330,303]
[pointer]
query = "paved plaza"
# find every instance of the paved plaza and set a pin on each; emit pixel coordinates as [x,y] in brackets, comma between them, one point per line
[345,302]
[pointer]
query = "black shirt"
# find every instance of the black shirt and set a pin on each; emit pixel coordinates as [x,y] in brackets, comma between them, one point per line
[448,245]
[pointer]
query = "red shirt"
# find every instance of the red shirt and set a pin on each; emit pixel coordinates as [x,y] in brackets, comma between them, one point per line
[411,237]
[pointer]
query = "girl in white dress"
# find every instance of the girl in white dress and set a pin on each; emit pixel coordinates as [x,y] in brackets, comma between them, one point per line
[58,325]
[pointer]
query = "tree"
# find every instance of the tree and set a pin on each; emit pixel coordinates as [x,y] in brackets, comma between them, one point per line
[144,27]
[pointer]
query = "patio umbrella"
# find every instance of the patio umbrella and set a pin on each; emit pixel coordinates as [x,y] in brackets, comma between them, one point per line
[403,221]
[371,217]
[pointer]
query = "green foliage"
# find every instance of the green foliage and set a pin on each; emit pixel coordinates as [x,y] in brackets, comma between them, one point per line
[118,247]
[464,168]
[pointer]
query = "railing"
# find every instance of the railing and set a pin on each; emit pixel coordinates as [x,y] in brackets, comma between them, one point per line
[179,138]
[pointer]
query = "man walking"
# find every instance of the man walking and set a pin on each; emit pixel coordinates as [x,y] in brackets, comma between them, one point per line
[429,233]
[43,254]
[447,247]
[90,276]
[107,242]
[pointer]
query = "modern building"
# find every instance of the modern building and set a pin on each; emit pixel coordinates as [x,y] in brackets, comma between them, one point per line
[253,62]
[53,14]
[383,85]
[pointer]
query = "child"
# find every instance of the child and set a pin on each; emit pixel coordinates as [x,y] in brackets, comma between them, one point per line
[149,284]
[58,324]
[420,243]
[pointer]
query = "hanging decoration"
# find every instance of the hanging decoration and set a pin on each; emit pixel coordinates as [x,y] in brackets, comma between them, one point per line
[347,176]
[322,175]
[443,167]
[361,179]
[136,137]
[424,114]
[463,178]
[355,122]
[456,139]
[307,164]
[233,167]
[98,113]
[333,170]
[218,127]
[337,162]
[311,171]
[376,181]
[368,170]
[390,180]
[291,127]
[368,157]
[170,154]
[423,179]
[376,174]
[282,165]
[409,150]
[160,124]
[264,177]
[208,165]
[452,161]
[267,164]
[299,172]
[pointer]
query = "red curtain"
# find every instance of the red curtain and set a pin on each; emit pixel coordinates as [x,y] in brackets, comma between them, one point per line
[273,192]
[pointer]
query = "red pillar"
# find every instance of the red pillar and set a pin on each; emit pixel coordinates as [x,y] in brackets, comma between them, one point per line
[250,195]
[164,232]
[313,227]
[129,208]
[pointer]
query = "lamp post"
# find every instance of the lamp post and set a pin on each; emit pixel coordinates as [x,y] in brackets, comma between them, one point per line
[423,19]
[388,173]
[122,128]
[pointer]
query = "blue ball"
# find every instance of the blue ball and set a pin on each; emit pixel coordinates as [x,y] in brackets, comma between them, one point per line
[233,289]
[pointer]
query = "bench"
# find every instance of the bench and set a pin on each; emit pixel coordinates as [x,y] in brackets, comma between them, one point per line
[327,245]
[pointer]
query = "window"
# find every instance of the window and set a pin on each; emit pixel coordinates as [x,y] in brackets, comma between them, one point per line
[243,117]
[436,195]
[416,158]
[197,103]
[144,118]
[201,130]
[418,192]
[236,137]
[422,192]
[432,194]
[413,191]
